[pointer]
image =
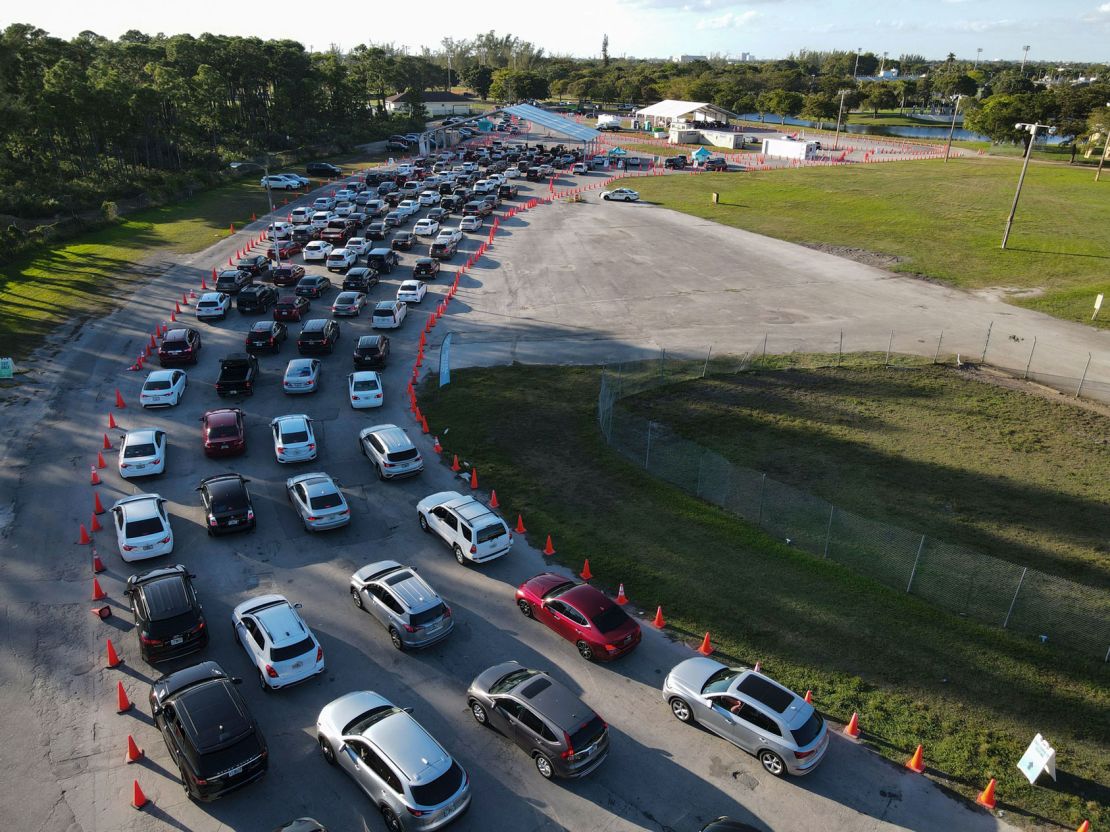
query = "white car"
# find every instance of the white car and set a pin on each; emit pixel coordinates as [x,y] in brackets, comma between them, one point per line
[142,527]
[302,375]
[339,259]
[294,439]
[320,219]
[212,305]
[280,230]
[301,216]
[621,195]
[472,529]
[412,291]
[317,250]
[163,388]
[407,207]
[344,195]
[277,641]
[426,227]
[484,186]
[344,209]
[323,203]
[449,236]
[374,208]
[512,173]
[365,389]
[471,223]
[318,501]
[277,182]
[389,314]
[580,168]
[142,453]
[429,198]
[359,245]
[296,177]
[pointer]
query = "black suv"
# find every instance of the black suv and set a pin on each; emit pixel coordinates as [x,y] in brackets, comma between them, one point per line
[717,164]
[371,353]
[305,233]
[318,335]
[426,267]
[382,260]
[323,169]
[227,504]
[256,265]
[230,281]
[265,335]
[179,346]
[360,279]
[256,297]
[168,617]
[210,733]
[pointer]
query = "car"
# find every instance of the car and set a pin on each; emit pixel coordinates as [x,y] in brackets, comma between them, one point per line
[360,279]
[317,250]
[580,168]
[318,335]
[231,281]
[304,233]
[437,214]
[403,241]
[169,620]
[348,304]
[284,249]
[678,162]
[296,177]
[258,297]
[256,265]
[300,215]
[313,286]
[443,249]
[212,305]
[412,291]
[323,169]
[512,173]
[179,346]
[382,260]
[358,246]
[561,733]
[377,230]
[429,198]
[265,335]
[426,267]
[339,230]
[716,163]
[364,389]
[425,228]
[392,220]
[294,438]
[209,731]
[277,182]
[324,203]
[371,352]
[403,602]
[290,308]
[319,222]
[393,759]
[277,641]
[475,533]
[142,527]
[450,235]
[288,274]
[388,314]
[225,432]
[395,145]
[390,451]
[142,453]
[163,388]
[472,222]
[227,504]
[752,711]
[318,501]
[408,206]
[477,208]
[340,260]
[621,195]
[302,375]
[580,613]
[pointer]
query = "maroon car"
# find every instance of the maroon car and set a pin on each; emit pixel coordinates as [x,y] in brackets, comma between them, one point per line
[288,274]
[290,308]
[286,248]
[225,433]
[179,346]
[599,628]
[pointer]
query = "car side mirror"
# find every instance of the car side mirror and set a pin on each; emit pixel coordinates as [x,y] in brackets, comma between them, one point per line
[298,605]
[235,680]
[407,710]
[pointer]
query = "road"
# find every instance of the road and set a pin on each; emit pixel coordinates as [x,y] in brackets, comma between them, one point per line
[63,765]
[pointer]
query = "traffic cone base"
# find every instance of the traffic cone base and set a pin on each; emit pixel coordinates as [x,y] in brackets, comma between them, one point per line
[659,623]
[852,728]
[986,797]
[549,550]
[585,574]
[916,763]
[134,753]
[706,648]
[138,799]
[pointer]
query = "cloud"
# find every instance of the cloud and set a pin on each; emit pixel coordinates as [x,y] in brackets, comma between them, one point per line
[693,5]
[990,25]
[728,20]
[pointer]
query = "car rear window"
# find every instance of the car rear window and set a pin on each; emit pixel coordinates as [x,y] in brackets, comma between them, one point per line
[610,619]
[402,456]
[808,733]
[208,303]
[143,528]
[588,734]
[158,384]
[223,432]
[490,533]
[421,618]
[364,385]
[292,651]
[434,793]
[295,436]
[166,598]
[146,449]
[325,501]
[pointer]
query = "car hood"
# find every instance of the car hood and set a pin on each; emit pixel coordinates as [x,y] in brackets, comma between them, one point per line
[693,673]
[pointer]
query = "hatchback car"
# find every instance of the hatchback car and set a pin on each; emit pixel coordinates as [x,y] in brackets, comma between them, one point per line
[475,533]
[179,346]
[142,453]
[278,643]
[318,501]
[169,620]
[142,527]
[265,336]
[316,250]
[163,388]
[209,731]
[371,352]
[225,432]
[393,759]
[580,613]
[290,308]
[360,279]
[294,439]
[212,305]
[288,274]
[390,451]
[389,314]
[348,304]
[750,710]
[302,375]
[227,504]
[412,291]
[364,389]
[341,259]
[318,336]
[403,602]
[231,281]
[426,267]
[560,732]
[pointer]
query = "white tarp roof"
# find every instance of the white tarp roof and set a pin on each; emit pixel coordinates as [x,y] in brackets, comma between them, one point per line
[673,109]
[553,121]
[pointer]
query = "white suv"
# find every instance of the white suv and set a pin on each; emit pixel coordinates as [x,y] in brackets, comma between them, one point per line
[472,529]
[277,641]
[390,451]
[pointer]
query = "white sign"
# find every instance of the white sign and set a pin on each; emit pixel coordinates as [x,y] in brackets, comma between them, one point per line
[1098,305]
[1038,758]
[7,368]
[445,361]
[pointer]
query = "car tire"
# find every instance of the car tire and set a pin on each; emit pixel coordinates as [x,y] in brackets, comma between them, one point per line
[356,597]
[606,197]
[772,763]
[392,822]
[585,651]
[326,750]
[525,608]
[459,556]
[544,767]
[424,527]
[682,710]
[184,780]
[395,637]
[381,473]
[262,682]
[479,713]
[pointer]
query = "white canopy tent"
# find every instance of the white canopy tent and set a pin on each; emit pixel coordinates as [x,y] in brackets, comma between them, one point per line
[664,113]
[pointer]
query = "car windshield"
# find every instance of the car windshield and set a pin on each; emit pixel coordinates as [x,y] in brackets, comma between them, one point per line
[223,431]
[559,589]
[434,793]
[292,651]
[511,680]
[145,449]
[610,619]
[720,681]
[320,501]
[363,385]
[143,528]
[490,533]
[809,732]
[157,384]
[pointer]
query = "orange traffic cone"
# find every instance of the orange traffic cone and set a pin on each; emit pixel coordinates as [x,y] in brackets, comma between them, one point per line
[113,657]
[134,753]
[424,424]
[233,228]
[473,478]
[549,550]
[585,574]
[119,398]
[809,697]
[138,799]
[986,797]
[455,464]
[1084,827]
[622,599]
[97,563]
[107,443]
[94,478]
[520,525]
[84,539]
[706,648]
[439,448]
[177,307]
[123,704]
[98,507]
[916,763]
[658,622]
[852,728]
[493,500]
[111,421]
[95,526]
[100,463]
[173,317]
[98,592]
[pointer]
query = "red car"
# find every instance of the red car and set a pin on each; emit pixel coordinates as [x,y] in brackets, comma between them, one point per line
[599,628]
[288,274]
[225,432]
[287,248]
[290,308]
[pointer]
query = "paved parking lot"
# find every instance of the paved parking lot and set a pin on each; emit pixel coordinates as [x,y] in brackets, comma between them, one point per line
[66,742]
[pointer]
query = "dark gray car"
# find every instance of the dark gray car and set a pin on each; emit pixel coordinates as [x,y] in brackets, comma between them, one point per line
[403,602]
[562,735]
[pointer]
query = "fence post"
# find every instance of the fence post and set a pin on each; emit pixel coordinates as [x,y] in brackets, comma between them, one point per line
[828,531]
[762,491]
[647,451]
[1085,368]
[986,344]
[940,341]
[840,349]
[705,366]
[920,549]
[889,346]
[763,358]
[1030,361]
[1010,611]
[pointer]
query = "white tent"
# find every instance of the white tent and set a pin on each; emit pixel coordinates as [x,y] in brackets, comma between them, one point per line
[671,110]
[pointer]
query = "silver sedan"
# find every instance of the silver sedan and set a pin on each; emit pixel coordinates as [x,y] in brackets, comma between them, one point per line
[302,375]
[318,501]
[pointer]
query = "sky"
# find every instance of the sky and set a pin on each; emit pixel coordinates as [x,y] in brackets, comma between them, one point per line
[1065,30]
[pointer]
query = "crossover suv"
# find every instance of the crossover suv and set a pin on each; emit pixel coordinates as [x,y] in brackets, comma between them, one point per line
[749,710]
[581,614]
[265,336]
[403,602]
[179,346]
[472,529]
[318,335]
[277,641]
[210,733]
[390,451]
[168,617]
[561,734]
[371,352]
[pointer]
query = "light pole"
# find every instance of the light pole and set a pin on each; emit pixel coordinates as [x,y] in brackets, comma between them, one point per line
[1032,129]
[855,72]
[978,52]
[882,66]
[952,128]
[265,165]
[1102,128]
[1024,57]
[839,113]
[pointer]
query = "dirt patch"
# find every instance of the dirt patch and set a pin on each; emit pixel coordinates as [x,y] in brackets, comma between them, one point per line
[859,255]
[1004,293]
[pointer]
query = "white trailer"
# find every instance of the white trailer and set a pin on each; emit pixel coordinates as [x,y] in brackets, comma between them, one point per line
[785,148]
[607,120]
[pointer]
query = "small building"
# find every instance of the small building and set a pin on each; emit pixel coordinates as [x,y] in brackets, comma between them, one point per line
[436,103]
[788,148]
[688,59]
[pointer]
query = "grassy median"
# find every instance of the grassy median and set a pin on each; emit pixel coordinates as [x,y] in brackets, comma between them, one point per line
[973,695]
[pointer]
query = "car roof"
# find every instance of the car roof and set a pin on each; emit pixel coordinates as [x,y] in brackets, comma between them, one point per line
[211,714]
[313,325]
[292,419]
[555,701]
[262,326]
[177,334]
[385,304]
[139,506]
[166,595]
[139,436]
[410,283]
[413,591]
[392,437]
[228,416]
[411,748]
[280,621]
[161,375]
[212,296]
[470,509]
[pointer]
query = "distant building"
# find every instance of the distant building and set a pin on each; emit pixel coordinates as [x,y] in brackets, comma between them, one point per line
[687,59]
[436,103]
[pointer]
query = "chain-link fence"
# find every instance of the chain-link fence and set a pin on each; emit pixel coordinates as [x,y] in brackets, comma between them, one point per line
[959,579]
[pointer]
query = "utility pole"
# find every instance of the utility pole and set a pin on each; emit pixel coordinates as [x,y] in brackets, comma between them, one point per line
[840,112]
[978,52]
[1024,57]
[952,128]
[1032,128]
[882,66]
[448,87]
[855,72]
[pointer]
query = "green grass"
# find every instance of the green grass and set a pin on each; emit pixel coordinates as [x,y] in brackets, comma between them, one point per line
[944,220]
[973,695]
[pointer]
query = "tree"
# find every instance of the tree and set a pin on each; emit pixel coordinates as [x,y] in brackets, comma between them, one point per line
[517,84]
[605,51]
[818,106]
[784,103]
[999,113]
[876,96]
[1011,82]
[951,83]
[478,78]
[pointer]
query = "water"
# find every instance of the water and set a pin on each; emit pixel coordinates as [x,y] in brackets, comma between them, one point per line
[904,132]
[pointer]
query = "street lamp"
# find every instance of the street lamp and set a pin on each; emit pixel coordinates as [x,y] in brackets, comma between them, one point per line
[839,113]
[855,72]
[265,166]
[978,52]
[1025,50]
[952,127]
[1032,130]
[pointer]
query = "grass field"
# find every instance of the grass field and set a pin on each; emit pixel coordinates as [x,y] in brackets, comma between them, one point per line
[973,695]
[944,220]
